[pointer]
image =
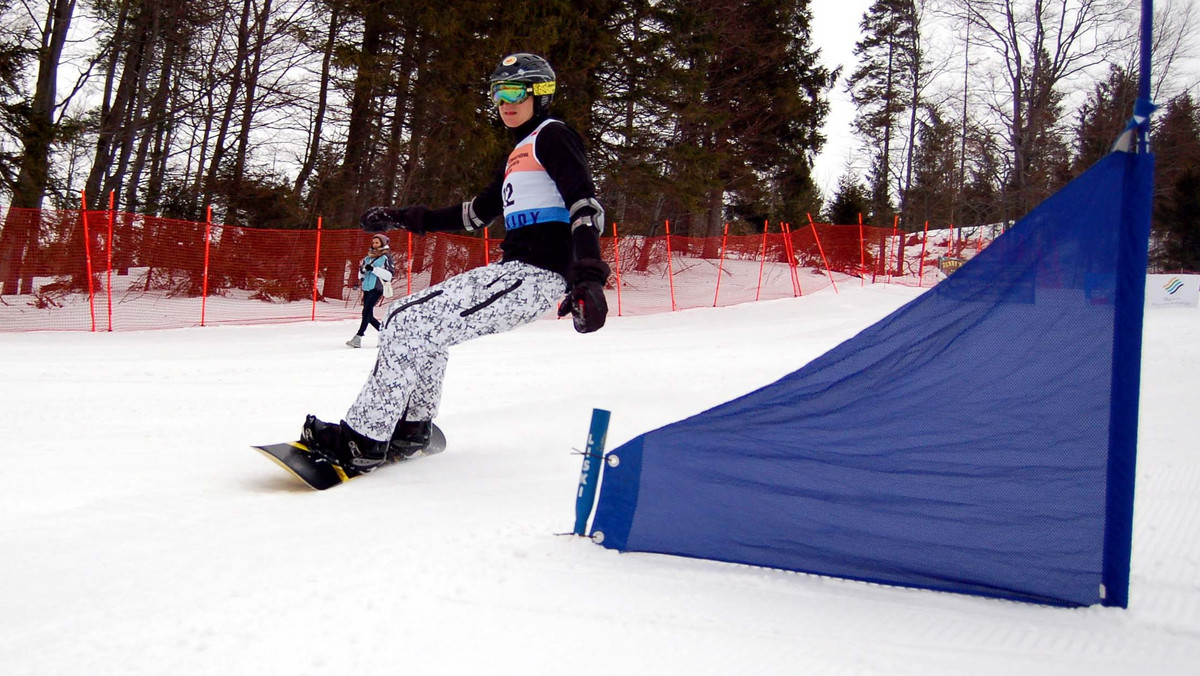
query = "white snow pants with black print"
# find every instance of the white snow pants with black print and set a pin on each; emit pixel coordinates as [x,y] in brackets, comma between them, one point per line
[418,330]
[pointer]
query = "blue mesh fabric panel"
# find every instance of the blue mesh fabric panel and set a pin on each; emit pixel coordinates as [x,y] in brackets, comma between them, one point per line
[961,443]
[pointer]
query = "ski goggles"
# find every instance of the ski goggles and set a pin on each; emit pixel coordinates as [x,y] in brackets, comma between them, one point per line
[516,92]
[510,92]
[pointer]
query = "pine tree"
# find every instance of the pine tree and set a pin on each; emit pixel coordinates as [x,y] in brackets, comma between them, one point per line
[850,200]
[881,88]
[1102,117]
[935,166]
[1177,187]
[1044,157]
[746,97]
[14,57]
[627,122]
[981,201]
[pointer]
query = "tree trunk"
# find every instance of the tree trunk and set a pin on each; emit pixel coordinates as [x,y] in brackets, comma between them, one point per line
[314,144]
[214,167]
[914,81]
[247,119]
[210,114]
[19,236]
[144,40]
[400,116]
[140,124]
[38,134]
[371,71]
[714,219]
[879,191]
[114,113]
[169,84]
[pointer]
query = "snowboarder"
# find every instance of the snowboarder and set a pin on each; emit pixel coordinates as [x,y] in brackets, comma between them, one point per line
[374,272]
[551,247]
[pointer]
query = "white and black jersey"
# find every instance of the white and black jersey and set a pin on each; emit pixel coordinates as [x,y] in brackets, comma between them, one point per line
[534,188]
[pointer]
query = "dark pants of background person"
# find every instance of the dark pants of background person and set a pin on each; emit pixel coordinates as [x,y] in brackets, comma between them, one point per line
[370,298]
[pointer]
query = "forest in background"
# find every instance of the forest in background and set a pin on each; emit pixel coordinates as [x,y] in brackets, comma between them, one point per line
[276,112]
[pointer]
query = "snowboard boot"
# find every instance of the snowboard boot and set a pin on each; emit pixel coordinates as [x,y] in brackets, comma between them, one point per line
[410,438]
[344,447]
[356,341]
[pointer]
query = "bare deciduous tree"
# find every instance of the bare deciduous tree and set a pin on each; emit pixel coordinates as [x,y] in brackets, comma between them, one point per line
[1031,51]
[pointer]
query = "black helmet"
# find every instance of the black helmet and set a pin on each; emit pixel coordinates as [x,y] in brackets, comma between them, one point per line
[532,70]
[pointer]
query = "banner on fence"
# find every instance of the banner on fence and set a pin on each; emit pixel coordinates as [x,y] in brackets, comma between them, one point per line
[1172,290]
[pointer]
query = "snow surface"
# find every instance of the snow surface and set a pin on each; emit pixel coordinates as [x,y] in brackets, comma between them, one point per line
[139,533]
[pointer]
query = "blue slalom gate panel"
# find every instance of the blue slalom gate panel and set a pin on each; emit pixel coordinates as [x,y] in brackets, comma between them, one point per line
[981,439]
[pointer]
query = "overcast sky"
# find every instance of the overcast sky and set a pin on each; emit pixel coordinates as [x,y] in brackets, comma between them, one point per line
[835,30]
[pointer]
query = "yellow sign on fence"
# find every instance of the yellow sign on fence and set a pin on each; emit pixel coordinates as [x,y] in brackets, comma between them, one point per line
[948,264]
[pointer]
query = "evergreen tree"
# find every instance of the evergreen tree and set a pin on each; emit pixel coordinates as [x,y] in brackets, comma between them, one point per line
[1177,187]
[1045,156]
[881,88]
[935,166]
[627,122]
[850,201]
[981,201]
[746,97]
[14,57]
[1102,117]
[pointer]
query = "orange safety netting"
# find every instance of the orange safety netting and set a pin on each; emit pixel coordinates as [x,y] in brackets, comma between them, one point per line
[144,272]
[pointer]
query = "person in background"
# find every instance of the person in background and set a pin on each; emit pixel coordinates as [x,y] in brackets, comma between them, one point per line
[375,270]
[551,246]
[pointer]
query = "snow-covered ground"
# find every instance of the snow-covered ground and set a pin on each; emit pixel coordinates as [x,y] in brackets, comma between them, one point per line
[139,533]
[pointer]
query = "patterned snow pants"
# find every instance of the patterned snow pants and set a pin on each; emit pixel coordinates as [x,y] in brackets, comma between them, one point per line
[418,330]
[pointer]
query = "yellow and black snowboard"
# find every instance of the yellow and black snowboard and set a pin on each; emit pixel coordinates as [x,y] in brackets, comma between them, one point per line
[320,474]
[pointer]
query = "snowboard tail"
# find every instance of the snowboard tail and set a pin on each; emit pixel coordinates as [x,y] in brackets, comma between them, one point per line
[321,474]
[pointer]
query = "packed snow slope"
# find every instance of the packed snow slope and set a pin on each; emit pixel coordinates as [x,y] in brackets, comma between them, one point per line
[142,535]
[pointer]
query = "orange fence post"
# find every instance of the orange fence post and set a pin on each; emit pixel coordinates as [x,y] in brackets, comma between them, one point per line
[796,266]
[408,273]
[316,268]
[819,248]
[895,230]
[862,253]
[207,245]
[487,259]
[617,261]
[112,214]
[670,266]
[87,254]
[721,264]
[783,234]
[921,267]
[762,260]
[793,261]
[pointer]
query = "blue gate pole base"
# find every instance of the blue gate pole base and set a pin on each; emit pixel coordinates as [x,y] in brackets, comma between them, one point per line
[589,476]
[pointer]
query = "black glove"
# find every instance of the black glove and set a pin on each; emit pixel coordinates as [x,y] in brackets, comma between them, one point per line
[381,219]
[368,268]
[585,301]
[586,305]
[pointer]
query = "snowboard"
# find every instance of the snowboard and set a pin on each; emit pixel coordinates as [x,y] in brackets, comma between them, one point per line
[320,474]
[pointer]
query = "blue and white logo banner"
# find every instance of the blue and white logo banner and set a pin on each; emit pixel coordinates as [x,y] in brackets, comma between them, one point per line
[1172,290]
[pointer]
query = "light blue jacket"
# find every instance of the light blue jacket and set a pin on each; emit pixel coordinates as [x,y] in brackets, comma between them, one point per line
[381,271]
